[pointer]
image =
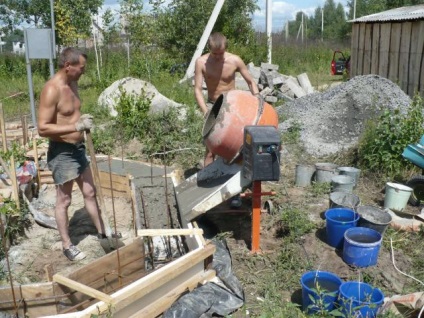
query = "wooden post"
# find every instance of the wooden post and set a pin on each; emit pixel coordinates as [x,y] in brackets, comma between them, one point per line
[24,130]
[3,128]
[97,183]
[37,165]
[15,184]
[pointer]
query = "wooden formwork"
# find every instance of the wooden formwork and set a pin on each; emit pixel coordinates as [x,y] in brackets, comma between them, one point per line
[116,286]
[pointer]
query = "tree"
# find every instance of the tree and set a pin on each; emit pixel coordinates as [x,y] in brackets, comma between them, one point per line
[181,23]
[72,16]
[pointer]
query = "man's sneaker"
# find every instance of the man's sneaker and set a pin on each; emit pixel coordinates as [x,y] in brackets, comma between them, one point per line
[235,202]
[73,253]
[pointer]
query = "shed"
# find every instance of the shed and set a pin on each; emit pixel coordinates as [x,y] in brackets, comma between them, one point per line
[391,44]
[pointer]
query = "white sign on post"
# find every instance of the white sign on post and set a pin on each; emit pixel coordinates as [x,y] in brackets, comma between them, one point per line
[38,45]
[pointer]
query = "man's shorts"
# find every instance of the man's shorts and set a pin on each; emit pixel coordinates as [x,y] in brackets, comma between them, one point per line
[66,161]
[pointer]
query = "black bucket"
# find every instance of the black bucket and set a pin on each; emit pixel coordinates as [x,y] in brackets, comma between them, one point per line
[373,218]
[340,199]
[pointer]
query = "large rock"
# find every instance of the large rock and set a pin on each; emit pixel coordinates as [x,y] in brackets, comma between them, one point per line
[110,96]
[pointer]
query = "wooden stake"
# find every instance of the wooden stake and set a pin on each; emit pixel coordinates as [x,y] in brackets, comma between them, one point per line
[24,130]
[15,184]
[96,177]
[3,128]
[37,165]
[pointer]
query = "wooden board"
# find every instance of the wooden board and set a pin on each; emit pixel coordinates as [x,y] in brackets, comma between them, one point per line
[375,54]
[34,300]
[120,184]
[354,50]
[395,52]
[383,69]
[367,50]
[361,48]
[404,56]
[106,275]
[415,57]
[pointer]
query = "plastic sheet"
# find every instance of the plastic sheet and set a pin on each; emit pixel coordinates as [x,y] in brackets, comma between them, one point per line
[220,298]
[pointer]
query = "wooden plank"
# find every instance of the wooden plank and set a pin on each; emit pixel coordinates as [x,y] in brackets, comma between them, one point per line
[82,288]
[383,69]
[405,45]
[394,53]
[417,33]
[367,49]
[354,50]
[120,184]
[33,300]
[361,47]
[162,304]
[169,232]
[375,54]
[45,173]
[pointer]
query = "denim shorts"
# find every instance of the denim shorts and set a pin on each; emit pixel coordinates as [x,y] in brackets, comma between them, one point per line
[66,161]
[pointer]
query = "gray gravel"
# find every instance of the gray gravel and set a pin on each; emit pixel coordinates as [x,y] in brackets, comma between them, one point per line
[333,121]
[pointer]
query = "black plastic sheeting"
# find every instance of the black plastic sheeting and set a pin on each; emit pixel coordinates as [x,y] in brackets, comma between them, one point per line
[211,300]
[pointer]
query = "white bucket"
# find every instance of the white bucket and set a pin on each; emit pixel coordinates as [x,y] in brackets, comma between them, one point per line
[396,196]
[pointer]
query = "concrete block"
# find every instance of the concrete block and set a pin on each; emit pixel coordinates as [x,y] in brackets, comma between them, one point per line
[305,83]
[270,67]
[271,99]
[295,88]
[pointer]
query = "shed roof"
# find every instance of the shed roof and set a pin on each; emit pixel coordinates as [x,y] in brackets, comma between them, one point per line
[399,14]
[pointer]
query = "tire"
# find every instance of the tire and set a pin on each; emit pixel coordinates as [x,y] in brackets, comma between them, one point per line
[417,195]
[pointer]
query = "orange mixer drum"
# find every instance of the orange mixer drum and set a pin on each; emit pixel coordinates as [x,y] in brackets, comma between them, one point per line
[223,131]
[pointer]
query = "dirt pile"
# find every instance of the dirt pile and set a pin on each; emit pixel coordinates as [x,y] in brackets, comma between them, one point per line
[333,121]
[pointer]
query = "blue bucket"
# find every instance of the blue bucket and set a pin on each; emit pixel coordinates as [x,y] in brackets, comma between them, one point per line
[338,220]
[361,246]
[326,283]
[360,299]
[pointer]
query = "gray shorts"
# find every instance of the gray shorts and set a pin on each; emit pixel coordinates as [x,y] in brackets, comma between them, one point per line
[66,161]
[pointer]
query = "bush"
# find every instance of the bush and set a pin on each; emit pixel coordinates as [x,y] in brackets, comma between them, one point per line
[384,140]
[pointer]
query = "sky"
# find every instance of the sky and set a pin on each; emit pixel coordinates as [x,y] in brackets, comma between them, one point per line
[281,11]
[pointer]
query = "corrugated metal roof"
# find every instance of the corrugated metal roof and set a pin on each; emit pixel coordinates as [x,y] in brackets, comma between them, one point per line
[398,14]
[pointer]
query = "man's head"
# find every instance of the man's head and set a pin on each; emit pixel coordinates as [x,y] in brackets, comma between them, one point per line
[217,45]
[73,62]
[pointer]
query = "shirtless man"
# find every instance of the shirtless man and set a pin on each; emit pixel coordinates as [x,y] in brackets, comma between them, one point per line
[218,68]
[60,119]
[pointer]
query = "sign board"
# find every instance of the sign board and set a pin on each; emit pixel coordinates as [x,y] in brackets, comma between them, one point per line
[39,43]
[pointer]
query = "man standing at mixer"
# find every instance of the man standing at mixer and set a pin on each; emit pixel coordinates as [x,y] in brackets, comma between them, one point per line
[218,69]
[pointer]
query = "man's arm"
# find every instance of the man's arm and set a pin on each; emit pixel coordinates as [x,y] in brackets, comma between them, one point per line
[47,114]
[242,68]
[198,81]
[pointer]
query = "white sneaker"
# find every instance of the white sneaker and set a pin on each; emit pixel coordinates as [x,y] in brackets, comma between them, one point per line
[236,202]
[73,253]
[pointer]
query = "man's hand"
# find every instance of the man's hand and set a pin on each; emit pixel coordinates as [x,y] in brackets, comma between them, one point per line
[84,123]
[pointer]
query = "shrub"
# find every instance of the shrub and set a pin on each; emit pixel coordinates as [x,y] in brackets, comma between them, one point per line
[384,140]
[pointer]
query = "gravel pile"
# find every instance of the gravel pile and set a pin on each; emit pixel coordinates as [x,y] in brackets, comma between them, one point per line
[333,121]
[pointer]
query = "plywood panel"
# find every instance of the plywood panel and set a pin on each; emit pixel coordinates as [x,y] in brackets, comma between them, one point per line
[375,53]
[354,50]
[120,184]
[405,45]
[361,49]
[417,34]
[367,49]
[383,69]
[394,53]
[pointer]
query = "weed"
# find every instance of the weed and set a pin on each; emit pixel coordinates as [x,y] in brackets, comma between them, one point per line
[320,188]
[320,304]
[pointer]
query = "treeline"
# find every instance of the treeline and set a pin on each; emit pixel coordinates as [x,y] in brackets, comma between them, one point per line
[175,27]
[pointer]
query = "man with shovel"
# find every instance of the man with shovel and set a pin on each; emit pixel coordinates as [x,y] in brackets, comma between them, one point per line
[60,119]
[218,69]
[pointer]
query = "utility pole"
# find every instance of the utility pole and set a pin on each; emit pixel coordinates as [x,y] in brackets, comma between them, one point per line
[322,24]
[269,28]
[354,9]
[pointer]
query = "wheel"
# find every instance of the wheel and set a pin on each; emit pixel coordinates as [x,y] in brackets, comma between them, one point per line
[417,195]
[268,207]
